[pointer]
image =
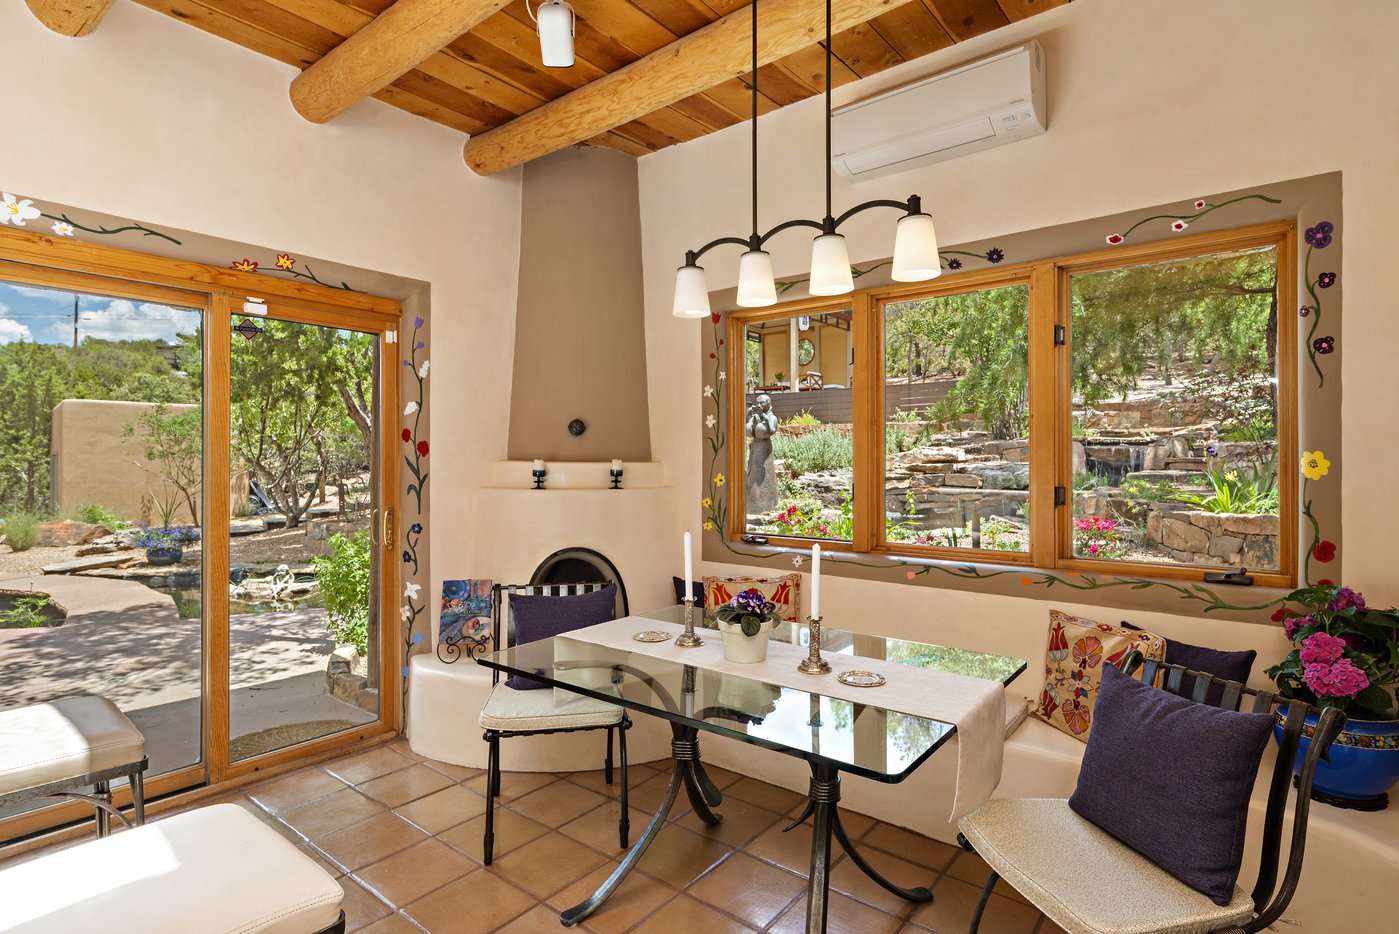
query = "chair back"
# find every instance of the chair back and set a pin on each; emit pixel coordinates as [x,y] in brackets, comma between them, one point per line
[503,618]
[1269,898]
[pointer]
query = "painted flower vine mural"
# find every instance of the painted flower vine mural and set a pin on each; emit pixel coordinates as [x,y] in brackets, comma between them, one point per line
[18,212]
[288,264]
[1318,237]
[1179,222]
[416,453]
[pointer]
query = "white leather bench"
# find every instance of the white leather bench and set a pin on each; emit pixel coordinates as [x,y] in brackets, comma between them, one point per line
[58,748]
[215,870]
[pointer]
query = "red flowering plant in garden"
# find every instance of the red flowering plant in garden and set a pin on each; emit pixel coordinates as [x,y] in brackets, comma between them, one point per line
[1098,537]
[1345,654]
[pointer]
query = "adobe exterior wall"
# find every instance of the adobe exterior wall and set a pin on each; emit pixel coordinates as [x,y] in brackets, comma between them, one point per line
[92,462]
[1149,102]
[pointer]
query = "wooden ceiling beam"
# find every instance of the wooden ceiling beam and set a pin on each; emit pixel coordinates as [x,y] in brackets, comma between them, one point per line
[70,17]
[699,61]
[391,45]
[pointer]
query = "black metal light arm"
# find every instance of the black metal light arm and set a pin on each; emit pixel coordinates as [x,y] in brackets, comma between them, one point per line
[914,205]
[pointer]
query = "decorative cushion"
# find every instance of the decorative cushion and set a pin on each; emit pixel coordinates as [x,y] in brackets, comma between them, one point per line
[785,591]
[214,870]
[65,738]
[1230,666]
[543,617]
[1074,665]
[1085,881]
[508,710]
[1191,768]
[696,587]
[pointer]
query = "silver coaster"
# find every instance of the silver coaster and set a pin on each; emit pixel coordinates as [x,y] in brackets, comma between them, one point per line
[860,679]
[651,635]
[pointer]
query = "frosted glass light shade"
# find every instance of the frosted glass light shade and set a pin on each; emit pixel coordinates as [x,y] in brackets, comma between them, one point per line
[691,293]
[555,20]
[915,250]
[830,266]
[755,286]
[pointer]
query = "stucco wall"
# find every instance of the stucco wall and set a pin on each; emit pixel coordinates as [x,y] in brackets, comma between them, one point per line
[1149,102]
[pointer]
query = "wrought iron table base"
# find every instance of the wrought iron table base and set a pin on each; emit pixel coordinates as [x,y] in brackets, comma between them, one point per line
[916,894]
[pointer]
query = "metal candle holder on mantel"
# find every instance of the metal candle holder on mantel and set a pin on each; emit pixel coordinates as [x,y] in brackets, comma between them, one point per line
[814,664]
[689,638]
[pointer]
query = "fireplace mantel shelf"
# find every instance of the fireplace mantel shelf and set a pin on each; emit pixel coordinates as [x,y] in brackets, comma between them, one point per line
[577,476]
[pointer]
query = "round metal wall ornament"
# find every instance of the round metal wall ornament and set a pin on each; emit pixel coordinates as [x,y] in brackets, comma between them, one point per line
[577,427]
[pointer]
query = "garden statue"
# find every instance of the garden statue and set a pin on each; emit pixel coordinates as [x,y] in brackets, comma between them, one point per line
[760,488]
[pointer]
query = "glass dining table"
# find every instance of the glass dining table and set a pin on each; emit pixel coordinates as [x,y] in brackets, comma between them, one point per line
[831,734]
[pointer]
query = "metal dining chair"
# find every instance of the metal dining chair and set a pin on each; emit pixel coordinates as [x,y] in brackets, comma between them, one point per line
[1077,901]
[509,712]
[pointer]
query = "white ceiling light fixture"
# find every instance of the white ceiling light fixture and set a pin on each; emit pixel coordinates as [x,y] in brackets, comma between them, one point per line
[555,22]
[916,256]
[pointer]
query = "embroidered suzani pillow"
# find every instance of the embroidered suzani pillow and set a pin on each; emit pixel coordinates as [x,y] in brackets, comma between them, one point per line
[785,591]
[1073,667]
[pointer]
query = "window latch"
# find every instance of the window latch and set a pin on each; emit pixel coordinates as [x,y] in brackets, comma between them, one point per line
[1059,498]
[1239,578]
[1059,337]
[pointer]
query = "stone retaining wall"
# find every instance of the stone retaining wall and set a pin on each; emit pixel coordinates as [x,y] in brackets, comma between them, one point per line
[1218,539]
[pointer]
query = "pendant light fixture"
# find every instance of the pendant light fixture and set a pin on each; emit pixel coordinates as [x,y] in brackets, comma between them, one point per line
[554,22]
[915,239]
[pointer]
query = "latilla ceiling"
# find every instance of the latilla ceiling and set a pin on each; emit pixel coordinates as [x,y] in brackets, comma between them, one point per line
[492,74]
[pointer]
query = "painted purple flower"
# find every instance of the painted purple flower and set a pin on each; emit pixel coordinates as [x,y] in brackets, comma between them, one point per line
[417,323]
[420,345]
[1294,623]
[1345,599]
[1321,649]
[408,363]
[418,637]
[1320,235]
[407,558]
[1304,310]
[995,255]
[1326,279]
[416,528]
[954,263]
[1324,344]
[1339,679]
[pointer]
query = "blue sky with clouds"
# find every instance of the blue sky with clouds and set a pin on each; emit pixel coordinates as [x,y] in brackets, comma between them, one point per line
[45,316]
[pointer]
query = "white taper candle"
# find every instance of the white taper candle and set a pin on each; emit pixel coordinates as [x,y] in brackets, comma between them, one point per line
[816,580]
[689,567]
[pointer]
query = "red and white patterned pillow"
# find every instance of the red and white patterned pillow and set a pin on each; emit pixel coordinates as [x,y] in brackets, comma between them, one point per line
[1073,667]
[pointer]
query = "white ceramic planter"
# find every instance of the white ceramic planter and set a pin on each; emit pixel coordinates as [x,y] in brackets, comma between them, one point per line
[744,649]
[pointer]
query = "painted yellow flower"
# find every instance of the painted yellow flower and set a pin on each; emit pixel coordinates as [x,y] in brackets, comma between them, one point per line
[718,479]
[244,265]
[708,526]
[285,261]
[706,502]
[1315,465]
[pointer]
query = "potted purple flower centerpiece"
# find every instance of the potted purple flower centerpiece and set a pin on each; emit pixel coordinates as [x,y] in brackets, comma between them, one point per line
[746,624]
[1346,655]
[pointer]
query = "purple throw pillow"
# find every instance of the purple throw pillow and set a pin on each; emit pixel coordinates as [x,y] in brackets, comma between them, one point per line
[1229,666]
[696,591]
[541,617]
[1190,767]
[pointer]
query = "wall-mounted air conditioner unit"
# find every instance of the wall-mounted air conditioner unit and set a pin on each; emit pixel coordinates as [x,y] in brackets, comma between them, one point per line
[982,104]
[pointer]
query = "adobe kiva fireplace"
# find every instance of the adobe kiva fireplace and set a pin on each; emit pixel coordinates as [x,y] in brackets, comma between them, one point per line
[578,565]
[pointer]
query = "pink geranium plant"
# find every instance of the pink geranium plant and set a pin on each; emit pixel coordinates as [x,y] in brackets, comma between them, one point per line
[1345,654]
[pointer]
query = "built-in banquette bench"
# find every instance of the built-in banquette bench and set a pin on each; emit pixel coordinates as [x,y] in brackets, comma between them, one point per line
[1348,852]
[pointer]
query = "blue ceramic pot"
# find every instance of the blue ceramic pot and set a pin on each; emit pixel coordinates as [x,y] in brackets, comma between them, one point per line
[1364,759]
[163,556]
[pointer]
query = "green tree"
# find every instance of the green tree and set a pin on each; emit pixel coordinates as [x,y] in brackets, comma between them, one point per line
[172,443]
[32,381]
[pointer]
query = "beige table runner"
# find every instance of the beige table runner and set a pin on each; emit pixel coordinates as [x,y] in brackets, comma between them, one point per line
[975,705]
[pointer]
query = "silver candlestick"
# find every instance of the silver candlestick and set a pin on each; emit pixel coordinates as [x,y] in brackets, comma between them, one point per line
[688,639]
[814,664]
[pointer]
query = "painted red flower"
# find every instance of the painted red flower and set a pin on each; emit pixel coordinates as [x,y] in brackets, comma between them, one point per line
[1199,205]
[721,342]
[711,356]
[1324,551]
[422,448]
[1114,239]
[1326,582]
[1178,225]
[1279,614]
[714,316]
[407,435]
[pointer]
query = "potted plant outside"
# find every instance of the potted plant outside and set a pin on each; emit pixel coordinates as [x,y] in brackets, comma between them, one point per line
[1346,655]
[745,623]
[165,545]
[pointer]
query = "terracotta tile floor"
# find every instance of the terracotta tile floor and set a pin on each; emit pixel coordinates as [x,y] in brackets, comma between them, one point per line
[403,836]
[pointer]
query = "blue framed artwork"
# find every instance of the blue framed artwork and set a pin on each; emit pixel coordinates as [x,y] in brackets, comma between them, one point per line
[466,611]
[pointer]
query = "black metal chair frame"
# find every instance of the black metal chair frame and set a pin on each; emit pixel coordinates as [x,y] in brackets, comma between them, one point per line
[101,796]
[502,618]
[337,928]
[1330,723]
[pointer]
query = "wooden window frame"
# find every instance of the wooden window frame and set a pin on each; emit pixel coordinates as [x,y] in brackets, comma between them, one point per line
[1050,378]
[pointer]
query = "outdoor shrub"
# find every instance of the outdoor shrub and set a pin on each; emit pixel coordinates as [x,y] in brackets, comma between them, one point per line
[823,448]
[164,538]
[1096,537]
[27,613]
[21,530]
[344,580]
[1149,491]
[1250,489]
[97,514]
[803,419]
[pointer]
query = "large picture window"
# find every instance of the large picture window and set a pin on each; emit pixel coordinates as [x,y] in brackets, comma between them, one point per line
[1130,410]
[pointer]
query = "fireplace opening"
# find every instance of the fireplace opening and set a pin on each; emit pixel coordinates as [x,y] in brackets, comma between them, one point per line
[581,566]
